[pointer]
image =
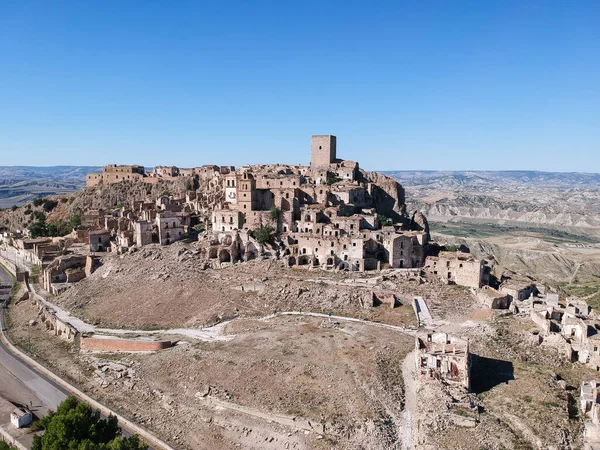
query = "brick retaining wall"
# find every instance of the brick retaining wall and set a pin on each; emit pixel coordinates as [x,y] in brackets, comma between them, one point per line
[93,344]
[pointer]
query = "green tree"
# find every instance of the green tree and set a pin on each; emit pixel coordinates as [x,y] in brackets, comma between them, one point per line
[274,214]
[75,220]
[5,446]
[384,220]
[76,426]
[38,229]
[332,178]
[38,202]
[264,234]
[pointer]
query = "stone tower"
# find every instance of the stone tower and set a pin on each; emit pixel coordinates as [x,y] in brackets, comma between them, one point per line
[322,150]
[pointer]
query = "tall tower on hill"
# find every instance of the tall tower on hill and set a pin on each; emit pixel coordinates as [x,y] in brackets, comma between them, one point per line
[322,150]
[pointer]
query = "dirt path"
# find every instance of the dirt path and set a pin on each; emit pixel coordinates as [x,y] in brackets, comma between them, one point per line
[408,429]
[409,331]
[282,419]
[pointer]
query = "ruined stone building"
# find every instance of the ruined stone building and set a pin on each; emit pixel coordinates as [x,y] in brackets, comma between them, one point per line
[589,404]
[570,328]
[443,357]
[518,289]
[115,174]
[67,269]
[170,227]
[330,214]
[99,240]
[457,268]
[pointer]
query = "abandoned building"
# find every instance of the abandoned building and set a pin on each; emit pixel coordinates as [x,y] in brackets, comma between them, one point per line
[590,408]
[518,290]
[443,357]
[493,298]
[570,328]
[67,269]
[114,174]
[457,268]
[329,214]
[99,240]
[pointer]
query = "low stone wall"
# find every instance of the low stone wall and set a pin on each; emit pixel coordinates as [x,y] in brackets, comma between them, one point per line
[6,437]
[98,344]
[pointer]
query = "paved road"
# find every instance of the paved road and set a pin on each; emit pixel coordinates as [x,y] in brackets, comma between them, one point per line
[38,385]
[50,394]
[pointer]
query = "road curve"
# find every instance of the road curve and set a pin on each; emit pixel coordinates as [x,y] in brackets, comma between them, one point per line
[50,388]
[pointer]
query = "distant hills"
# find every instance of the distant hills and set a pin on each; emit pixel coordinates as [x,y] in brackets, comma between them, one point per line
[472,179]
[546,198]
[21,184]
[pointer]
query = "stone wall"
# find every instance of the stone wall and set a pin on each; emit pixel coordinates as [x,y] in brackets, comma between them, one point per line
[97,344]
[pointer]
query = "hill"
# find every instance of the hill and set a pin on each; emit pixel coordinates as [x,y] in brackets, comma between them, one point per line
[21,184]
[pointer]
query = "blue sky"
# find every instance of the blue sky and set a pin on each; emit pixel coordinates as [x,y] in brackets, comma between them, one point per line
[403,85]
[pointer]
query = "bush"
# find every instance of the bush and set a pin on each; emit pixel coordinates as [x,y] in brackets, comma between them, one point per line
[38,229]
[384,220]
[264,234]
[75,425]
[14,207]
[49,205]
[38,202]
[61,228]
[332,178]
[274,214]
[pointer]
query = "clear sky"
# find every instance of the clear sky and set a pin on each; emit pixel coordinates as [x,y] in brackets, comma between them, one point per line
[402,84]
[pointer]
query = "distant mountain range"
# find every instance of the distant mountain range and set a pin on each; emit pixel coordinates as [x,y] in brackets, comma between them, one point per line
[475,179]
[549,198]
[21,184]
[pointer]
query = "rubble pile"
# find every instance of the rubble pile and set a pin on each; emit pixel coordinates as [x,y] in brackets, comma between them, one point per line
[110,372]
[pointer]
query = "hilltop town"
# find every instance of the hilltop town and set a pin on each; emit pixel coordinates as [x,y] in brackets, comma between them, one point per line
[294,281]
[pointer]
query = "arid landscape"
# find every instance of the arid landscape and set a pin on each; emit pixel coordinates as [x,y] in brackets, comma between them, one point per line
[263,354]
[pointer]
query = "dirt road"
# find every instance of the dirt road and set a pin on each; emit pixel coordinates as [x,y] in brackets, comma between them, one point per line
[409,426]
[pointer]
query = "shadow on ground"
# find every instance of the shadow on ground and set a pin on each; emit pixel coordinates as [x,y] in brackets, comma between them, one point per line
[487,373]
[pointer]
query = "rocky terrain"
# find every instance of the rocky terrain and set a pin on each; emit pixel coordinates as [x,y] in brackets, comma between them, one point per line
[306,382]
[301,382]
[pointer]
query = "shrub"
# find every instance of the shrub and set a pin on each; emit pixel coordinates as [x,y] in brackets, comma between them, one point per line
[274,214]
[264,234]
[38,229]
[384,220]
[332,178]
[38,202]
[49,205]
